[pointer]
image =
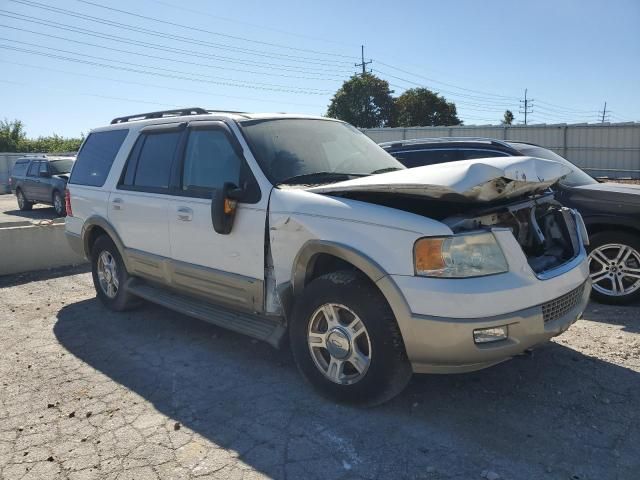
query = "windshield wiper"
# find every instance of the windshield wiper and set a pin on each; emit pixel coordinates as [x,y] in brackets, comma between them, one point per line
[385,170]
[318,177]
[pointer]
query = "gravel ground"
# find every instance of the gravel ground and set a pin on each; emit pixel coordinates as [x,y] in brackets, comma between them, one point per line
[152,394]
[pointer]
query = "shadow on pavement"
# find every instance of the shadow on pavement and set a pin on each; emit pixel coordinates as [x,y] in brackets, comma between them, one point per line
[553,414]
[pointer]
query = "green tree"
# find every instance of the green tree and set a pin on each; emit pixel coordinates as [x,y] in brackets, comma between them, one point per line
[13,138]
[508,117]
[364,101]
[420,107]
[12,135]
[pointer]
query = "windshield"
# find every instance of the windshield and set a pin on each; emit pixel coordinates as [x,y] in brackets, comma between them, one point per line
[575,179]
[59,167]
[287,148]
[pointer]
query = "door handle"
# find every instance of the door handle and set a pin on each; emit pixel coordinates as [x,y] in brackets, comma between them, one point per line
[117,203]
[185,214]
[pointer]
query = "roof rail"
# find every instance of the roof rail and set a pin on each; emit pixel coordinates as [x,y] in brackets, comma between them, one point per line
[413,141]
[168,113]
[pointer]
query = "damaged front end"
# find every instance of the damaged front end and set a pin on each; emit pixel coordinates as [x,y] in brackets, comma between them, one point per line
[484,195]
[549,234]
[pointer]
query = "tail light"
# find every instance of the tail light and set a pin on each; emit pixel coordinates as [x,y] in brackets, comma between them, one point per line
[67,202]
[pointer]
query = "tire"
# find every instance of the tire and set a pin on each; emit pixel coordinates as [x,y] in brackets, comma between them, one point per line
[23,204]
[388,371]
[106,258]
[611,275]
[58,204]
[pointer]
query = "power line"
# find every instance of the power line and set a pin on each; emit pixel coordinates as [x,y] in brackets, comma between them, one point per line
[210,32]
[180,38]
[164,75]
[163,87]
[224,79]
[147,55]
[156,46]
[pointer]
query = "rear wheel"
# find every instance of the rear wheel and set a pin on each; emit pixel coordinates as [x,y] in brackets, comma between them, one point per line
[346,342]
[58,204]
[23,203]
[110,275]
[614,267]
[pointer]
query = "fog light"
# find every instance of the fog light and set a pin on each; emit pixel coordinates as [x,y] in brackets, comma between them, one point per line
[488,335]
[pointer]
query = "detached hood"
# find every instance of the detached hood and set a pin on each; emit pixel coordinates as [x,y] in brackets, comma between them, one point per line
[479,180]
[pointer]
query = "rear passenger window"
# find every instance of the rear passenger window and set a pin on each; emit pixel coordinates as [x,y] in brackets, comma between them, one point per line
[20,169]
[154,163]
[96,157]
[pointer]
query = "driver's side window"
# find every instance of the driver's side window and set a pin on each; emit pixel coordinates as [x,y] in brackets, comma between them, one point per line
[209,162]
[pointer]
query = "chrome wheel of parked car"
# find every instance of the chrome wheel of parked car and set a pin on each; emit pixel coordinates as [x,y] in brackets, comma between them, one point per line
[108,274]
[339,344]
[615,269]
[58,204]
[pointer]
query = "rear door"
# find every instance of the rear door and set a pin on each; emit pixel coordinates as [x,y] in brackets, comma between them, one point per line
[31,181]
[139,205]
[227,269]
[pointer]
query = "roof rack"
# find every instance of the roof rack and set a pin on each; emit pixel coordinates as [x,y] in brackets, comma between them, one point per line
[395,143]
[168,113]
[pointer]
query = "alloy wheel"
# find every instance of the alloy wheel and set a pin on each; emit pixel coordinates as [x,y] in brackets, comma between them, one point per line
[339,344]
[108,274]
[615,269]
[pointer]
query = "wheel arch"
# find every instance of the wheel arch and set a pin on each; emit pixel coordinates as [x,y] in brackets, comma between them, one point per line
[315,255]
[95,226]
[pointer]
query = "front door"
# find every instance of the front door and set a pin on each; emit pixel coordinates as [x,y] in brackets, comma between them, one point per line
[226,269]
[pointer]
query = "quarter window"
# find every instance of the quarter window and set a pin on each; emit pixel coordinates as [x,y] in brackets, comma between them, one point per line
[96,157]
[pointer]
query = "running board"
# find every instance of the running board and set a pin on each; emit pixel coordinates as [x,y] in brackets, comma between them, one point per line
[260,327]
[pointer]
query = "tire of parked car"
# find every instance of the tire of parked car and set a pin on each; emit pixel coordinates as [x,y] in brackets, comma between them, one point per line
[110,276]
[23,203]
[58,204]
[614,265]
[346,342]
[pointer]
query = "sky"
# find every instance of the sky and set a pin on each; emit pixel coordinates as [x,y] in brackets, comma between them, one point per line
[72,65]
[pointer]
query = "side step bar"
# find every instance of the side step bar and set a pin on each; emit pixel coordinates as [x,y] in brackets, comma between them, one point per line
[260,327]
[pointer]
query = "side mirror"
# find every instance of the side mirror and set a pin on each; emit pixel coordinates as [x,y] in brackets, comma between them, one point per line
[224,203]
[44,174]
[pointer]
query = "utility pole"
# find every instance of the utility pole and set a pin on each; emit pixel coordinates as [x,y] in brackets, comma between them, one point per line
[604,116]
[363,64]
[526,105]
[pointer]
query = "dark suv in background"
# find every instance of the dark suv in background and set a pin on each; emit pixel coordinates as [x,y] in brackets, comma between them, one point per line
[41,180]
[610,210]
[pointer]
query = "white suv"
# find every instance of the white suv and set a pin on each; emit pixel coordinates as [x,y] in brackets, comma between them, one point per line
[272,224]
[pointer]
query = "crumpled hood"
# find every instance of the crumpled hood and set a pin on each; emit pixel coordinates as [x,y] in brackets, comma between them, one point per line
[479,180]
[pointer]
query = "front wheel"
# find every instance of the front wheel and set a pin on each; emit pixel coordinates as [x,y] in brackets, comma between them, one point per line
[614,267]
[346,342]
[23,203]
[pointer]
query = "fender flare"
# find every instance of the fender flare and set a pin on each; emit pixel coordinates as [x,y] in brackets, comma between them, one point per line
[383,281]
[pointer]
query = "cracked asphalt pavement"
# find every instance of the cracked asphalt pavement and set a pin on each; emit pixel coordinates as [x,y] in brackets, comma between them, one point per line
[91,394]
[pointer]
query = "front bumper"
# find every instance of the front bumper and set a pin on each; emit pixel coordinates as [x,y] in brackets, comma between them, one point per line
[442,344]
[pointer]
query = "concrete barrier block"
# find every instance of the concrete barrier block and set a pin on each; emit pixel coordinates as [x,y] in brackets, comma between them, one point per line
[35,247]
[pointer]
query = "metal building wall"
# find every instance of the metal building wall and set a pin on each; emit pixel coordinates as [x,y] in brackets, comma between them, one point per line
[606,150]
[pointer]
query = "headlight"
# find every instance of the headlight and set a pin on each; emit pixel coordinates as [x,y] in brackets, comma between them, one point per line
[459,256]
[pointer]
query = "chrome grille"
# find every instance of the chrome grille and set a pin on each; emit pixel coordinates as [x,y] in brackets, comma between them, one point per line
[560,306]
